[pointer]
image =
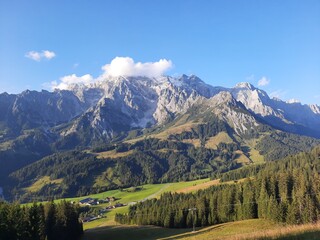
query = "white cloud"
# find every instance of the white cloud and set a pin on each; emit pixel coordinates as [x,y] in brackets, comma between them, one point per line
[119,66]
[38,56]
[68,80]
[33,55]
[125,66]
[264,81]
[48,54]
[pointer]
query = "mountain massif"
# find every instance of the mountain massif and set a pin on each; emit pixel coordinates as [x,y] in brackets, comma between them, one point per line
[132,130]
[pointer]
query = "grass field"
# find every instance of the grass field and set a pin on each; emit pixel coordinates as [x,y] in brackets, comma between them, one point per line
[131,233]
[113,154]
[242,158]
[197,186]
[154,190]
[191,186]
[258,229]
[195,142]
[124,196]
[213,142]
[37,185]
[248,229]
[254,154]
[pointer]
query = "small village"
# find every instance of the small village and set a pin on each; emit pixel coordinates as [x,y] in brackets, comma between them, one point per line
[98,213]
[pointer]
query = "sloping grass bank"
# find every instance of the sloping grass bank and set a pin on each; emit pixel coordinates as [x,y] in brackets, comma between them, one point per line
[257,229]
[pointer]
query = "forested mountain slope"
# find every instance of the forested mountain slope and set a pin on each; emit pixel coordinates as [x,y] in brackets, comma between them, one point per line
[284,191]
[205,150]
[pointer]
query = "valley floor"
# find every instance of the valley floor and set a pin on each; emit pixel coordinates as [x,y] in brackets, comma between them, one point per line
[248,229]
[148,191]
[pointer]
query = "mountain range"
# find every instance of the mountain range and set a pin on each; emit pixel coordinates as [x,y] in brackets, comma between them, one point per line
[121,111]
[120,104]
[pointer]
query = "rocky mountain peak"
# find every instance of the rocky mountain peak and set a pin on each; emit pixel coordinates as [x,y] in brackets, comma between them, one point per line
[224,97]
[118,104]
[245,85]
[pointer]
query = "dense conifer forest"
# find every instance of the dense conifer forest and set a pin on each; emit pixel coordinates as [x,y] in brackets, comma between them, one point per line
[40,222]
[286,191]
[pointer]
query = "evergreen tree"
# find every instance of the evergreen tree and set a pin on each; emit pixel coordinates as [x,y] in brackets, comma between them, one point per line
[168,220]
[249,204]
[190,220]
[50,223]
[263,201]
[36,218]
[293,216]
[24,225]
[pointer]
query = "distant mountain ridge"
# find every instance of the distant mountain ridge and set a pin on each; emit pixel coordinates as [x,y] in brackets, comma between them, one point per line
[118,104]
[147,129]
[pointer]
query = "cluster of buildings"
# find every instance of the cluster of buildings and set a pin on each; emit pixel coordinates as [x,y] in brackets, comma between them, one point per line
[115,206]
[102,210]
[95,201]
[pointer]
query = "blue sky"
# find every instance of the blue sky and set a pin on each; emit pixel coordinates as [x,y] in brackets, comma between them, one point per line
[221,41]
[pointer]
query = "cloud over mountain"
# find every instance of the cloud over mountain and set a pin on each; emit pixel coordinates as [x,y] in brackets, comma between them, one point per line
[119,66]
[68,80]
[125,66]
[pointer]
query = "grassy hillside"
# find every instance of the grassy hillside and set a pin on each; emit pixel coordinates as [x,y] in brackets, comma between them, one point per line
[131,232]
[125,196]
[41,182]
[214,141]
[248,229]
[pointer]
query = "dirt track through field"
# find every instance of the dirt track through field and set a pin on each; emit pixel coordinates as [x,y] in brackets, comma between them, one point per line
[157,193]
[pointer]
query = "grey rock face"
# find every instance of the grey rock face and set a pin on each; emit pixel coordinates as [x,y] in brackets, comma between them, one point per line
[118,104]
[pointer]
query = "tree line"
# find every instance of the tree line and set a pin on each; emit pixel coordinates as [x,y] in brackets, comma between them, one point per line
[40,222]
[287,191]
